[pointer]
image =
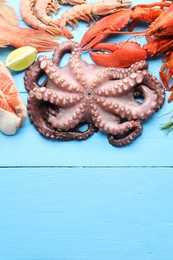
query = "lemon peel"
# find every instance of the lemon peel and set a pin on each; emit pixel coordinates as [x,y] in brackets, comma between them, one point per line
[21,58]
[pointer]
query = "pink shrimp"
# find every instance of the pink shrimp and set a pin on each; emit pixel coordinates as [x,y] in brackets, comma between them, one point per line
[43,8]
[12,34]
[87,12]
[27,13]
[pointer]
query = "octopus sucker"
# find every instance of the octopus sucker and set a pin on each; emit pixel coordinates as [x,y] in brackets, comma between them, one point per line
[114,101]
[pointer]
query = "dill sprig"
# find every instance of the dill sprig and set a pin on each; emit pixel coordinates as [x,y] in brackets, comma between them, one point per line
[168,127]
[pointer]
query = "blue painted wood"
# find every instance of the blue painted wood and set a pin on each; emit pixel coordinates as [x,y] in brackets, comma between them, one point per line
[71,214]
[86,200]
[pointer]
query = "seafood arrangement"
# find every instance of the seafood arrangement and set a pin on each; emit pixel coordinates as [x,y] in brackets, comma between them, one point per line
[159,35]
[88,12]
[28,15]
[115,94]
[104,99]
[36,13]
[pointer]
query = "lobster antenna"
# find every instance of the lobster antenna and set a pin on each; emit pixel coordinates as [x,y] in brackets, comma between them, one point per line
[142,33]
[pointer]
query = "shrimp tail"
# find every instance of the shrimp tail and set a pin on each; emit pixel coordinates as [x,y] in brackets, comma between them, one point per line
[40,40]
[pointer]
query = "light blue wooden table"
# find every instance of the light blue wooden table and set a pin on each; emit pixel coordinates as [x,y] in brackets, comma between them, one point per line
[86,200]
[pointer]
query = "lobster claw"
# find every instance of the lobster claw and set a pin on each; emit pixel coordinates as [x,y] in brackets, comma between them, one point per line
[120,55]
[104,27]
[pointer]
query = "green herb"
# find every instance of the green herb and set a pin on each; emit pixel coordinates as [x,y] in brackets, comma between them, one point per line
[168,127]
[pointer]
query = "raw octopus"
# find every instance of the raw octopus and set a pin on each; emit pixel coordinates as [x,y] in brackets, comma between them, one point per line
[103,99]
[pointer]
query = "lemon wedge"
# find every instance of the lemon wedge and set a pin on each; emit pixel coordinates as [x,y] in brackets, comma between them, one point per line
[21,58]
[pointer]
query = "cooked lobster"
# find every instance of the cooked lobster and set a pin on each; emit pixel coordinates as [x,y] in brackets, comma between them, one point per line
[159,35]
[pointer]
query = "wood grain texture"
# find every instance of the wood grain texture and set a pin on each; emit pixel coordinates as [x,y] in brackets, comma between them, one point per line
[86,200]
[70,214]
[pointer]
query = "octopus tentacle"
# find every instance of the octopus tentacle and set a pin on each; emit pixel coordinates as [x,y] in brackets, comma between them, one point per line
[67,118]
[79,135]
[125,89]
[110,123]
[111,73]
[38,111]
[107,73]
[67,46]
[152,82]
[134,131]
[102,76]
[121,73]
[77,69]
[56,75]
[52,96]
[32,75]
[120,87]
[141,65]
[145,109]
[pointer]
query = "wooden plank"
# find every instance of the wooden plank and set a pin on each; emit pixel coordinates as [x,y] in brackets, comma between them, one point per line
[72,214]
[86,200]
